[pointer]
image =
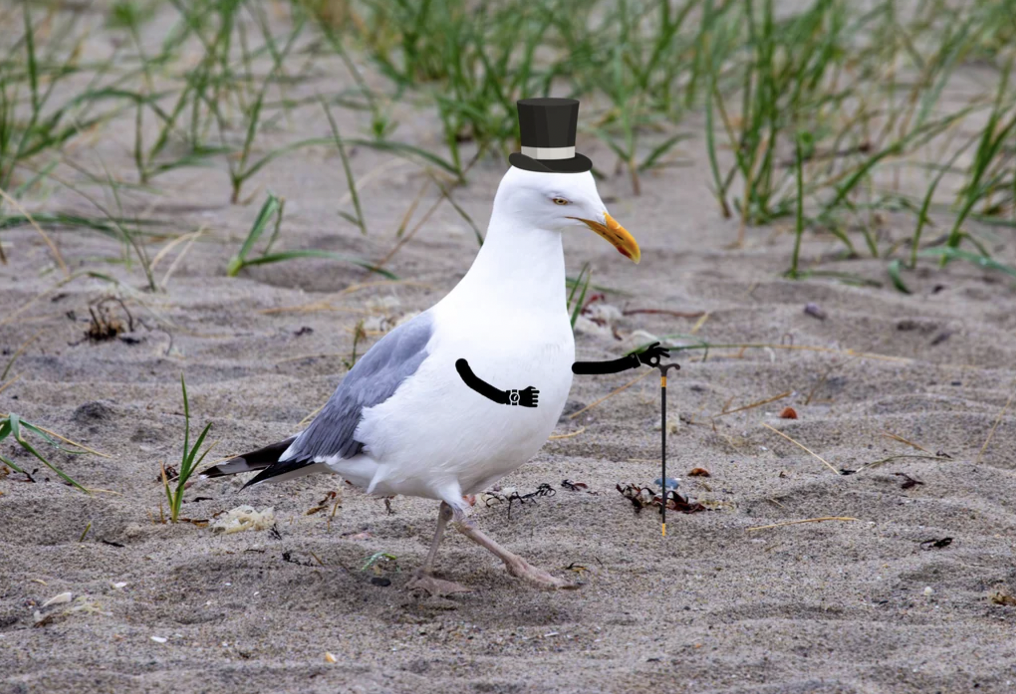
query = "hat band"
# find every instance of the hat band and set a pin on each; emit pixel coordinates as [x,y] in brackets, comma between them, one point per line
[549,152]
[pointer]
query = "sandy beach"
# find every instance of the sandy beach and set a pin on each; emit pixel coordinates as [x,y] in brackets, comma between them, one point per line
[909,395]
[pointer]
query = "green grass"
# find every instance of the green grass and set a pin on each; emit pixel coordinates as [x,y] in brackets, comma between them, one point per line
[358,219]
[41,107]
[18,429]
[189,460]
[271,214]
[577,295]
[814,115]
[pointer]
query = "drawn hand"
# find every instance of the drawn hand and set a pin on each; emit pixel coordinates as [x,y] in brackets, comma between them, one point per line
[653,354]
[528,397]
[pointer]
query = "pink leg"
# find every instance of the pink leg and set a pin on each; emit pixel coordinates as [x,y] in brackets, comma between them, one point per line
[516,565]
[424,578]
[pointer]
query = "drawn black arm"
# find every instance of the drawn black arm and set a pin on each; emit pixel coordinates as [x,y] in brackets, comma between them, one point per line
[650,356]
[528,397]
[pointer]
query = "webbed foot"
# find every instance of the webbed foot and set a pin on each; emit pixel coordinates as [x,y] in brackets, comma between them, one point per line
[435,586]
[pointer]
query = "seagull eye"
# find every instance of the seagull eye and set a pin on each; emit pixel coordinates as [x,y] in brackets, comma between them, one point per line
[559,201]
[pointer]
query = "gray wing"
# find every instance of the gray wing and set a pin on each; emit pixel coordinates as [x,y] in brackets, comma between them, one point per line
[371,381]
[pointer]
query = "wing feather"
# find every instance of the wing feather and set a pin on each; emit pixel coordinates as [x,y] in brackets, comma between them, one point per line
[371,381]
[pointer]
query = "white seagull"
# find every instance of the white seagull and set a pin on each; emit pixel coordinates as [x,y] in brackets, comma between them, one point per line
[453,400]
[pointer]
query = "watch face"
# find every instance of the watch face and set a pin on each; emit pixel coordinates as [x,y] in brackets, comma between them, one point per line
[514,397]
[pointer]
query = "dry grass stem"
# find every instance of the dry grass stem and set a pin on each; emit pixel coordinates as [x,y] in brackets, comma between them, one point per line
[28,304]
[822,380]
[190,238]
[801,445]
[408,216]
[798,522]
[755,404]
[611,394]
[700,322]
[49,242]
[405,239]
[309,356]
[73,443]
[896,437]
[379,283]
[875,464]
[323,305]
[804,348]
[360,184]
[9,383]
[998,421]
[327,305]
[555,437]
[18,353]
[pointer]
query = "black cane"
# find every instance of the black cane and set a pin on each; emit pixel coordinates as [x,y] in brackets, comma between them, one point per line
[663,440]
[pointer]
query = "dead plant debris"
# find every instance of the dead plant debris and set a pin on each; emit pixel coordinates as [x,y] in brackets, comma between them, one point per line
[642,497]
[104,325]
[908,481]
[574,486]
[322,505]
[513,496]
[1002,597]
[171,474]
[287,557]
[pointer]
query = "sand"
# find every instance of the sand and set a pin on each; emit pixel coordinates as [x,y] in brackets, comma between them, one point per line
[718,606]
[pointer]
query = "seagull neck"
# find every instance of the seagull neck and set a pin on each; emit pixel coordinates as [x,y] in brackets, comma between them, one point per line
[517,264]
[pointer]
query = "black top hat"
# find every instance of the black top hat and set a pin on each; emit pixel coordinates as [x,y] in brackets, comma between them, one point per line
[548,129]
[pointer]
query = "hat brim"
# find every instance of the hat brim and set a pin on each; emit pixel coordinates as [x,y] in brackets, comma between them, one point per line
[577,164]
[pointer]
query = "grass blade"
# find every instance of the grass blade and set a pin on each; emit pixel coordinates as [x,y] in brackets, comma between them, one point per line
[950,253]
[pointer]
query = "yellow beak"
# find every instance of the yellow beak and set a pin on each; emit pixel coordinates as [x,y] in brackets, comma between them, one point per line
[617,235]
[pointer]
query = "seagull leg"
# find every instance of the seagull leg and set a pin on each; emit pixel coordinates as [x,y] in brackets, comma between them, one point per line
[443,516]
[424,578]
[516,565]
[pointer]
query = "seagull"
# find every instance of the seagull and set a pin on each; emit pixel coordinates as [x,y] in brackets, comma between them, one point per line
[449,402]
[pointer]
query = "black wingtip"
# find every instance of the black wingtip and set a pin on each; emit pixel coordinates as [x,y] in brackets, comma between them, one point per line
[248,462]
[278,470]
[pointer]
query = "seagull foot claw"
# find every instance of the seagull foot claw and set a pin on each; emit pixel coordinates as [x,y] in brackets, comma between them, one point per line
[435,586]
[538,577]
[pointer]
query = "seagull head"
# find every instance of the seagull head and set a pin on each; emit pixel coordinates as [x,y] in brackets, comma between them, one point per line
[559,202]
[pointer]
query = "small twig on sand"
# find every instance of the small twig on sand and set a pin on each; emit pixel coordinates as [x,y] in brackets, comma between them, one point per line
[700,322]
[554,437]
[801,445]
[998,421]
[611,394]
[868,466]
[9,383]
[796,522]
[755,404]
[675,314]
[895,437]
